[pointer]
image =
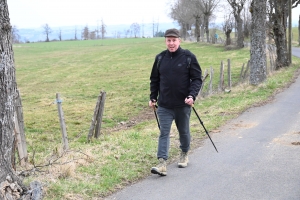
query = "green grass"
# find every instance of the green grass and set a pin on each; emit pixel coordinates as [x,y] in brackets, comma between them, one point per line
[79,70]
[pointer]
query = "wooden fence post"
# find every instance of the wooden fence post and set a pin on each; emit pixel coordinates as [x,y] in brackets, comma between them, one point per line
[100,114]
[97,117]
[229,74]
[19,130]
[246,71]
[211,80]
[242,73]
[203,81]
[94,119]
[62,122]
[221,83]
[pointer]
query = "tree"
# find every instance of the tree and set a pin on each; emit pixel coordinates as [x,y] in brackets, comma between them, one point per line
[237,7]
[208,7]
[75,37]
[181,14]
[93,35]
[47,31]
[15,35]
[278,15]
[59,35]
[258,71]
[227,28]
[85,33]
[102,29]
[7,93]
[135,27]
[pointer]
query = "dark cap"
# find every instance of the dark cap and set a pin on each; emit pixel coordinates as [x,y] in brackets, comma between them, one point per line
[172,33]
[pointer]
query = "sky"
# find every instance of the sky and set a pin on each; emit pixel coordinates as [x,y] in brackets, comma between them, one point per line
[58,13]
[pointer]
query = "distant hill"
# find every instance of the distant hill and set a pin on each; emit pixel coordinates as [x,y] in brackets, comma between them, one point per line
[68,32]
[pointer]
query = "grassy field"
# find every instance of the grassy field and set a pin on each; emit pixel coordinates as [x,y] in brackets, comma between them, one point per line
[126,149]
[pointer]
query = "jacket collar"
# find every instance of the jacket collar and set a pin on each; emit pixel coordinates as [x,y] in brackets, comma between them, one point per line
[172,54]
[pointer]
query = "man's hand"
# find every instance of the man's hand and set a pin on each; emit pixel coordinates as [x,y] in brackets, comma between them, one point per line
[152,103]
[189,100]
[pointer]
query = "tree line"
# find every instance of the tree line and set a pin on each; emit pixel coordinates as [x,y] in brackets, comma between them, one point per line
[238,15]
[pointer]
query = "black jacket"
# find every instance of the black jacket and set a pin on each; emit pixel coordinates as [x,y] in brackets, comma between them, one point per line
[173,80]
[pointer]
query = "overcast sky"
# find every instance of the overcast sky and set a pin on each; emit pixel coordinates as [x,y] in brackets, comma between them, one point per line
[58,13]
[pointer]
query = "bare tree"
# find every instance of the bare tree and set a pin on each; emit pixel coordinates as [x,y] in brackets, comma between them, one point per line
[47,31]
[102,29]
[135,27]
[237,7]
[247,19]
[8,88]
[228,25]
[93,35]
[182,15]
[85,33]
[258,68]
[75,38]
[16,38]
[208,7]
[59,34]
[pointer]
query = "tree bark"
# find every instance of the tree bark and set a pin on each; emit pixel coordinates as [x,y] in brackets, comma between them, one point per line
[258,71]
[197,28]
[7,93]
[228,39]
[240,38]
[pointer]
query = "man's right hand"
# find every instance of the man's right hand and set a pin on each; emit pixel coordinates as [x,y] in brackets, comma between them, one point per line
[152,103]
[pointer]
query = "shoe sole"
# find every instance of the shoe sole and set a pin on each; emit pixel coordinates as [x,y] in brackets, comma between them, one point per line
[182,166]
[154,171]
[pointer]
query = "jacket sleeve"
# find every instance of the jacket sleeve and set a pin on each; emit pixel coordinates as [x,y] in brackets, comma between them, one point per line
[195,77]
[154,81]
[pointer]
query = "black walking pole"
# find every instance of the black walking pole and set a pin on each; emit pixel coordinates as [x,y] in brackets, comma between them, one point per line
[204,127]
[154,109]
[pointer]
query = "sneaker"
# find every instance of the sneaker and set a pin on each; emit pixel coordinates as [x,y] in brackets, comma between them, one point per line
[161,168]
[183,160]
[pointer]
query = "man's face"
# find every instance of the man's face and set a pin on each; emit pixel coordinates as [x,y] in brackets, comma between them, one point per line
[172,43]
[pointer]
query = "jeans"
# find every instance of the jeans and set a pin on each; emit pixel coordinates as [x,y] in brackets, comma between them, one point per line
[166,116]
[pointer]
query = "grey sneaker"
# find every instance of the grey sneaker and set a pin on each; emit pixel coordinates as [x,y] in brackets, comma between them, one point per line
[161,168]
[183,160]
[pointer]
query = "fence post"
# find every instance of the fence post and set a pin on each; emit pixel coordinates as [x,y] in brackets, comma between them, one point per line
[246,71]
[62,122]
[221,84]
[100,114]
[229,74]
[211,80]
[203,81]
[94,119]
[19,129]
[242,73]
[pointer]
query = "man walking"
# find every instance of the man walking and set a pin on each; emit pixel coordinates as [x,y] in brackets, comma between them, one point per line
[175,81]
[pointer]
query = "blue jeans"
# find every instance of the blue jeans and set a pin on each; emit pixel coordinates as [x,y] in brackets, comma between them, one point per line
[182,120]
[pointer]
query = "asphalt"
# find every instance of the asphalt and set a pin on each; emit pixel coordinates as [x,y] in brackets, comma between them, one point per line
[258,159]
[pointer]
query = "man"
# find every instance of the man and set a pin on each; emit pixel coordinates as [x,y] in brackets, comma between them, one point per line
[176,80]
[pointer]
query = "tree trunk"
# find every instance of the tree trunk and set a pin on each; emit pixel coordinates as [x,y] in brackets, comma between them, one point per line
[206,22]
[258,71]
[228,39]
[184,30]
[197,28]
[240,38]
[7,93]
[280,41]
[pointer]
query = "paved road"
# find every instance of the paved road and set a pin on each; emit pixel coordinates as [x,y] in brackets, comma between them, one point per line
[258,159]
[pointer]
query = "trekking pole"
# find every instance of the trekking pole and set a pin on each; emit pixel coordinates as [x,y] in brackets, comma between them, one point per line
[204,127]
[154,109]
